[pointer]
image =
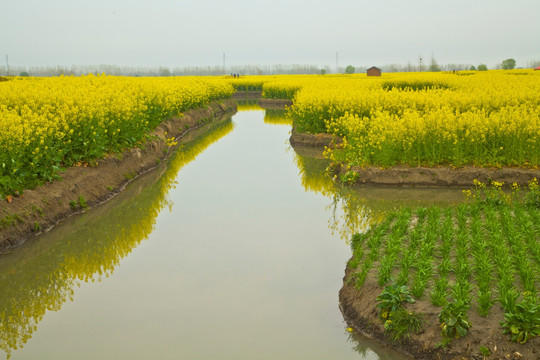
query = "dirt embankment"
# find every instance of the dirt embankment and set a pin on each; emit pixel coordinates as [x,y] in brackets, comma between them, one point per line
[439,176]
[40,209]
[360,312]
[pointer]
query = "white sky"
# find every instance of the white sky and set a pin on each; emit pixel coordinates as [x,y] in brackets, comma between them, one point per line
[197,33]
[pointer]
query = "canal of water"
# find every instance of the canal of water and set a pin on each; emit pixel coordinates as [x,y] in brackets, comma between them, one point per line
[235,248]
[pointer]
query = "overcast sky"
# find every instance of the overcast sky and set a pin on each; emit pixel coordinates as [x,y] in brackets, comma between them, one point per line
[198,33]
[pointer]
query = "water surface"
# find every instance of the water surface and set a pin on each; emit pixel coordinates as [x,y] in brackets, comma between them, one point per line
[233,249]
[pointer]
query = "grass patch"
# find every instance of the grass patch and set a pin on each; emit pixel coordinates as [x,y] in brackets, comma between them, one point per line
[402,323]
[79,204]
[131,175]
[36,227]
[38,210]
[9,220]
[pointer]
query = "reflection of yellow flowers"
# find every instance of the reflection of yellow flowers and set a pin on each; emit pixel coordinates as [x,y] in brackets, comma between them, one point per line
[71,262]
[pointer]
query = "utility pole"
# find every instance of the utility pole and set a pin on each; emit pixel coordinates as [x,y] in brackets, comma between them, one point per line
[420,64]
[7,65]
[225,72]
[337,62]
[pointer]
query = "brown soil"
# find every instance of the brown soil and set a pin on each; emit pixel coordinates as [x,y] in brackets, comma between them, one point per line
[40,209]
[439,176]
[360,312]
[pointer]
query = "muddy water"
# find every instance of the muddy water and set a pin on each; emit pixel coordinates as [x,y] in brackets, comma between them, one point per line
[233,249]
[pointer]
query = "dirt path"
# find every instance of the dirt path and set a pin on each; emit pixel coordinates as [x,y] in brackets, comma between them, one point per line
[40,209]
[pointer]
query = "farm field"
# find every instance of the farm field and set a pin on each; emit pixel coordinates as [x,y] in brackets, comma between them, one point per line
[478,262]
[482,119]
[270,180]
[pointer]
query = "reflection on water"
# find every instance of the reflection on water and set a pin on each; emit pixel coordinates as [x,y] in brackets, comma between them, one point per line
[276,117]
[271,116]
[248,105]
[241,266]
[348,213]
[370,349]
[41,275]
[355,208]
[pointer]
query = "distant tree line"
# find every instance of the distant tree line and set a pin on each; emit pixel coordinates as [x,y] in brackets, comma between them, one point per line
[118,70]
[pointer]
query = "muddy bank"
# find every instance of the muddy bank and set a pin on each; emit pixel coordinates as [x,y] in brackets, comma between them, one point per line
[360,312]
[40,209]
[437,176]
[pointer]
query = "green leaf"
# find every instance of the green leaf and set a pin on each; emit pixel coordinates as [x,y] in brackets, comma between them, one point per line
[514,329]
[461,330]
